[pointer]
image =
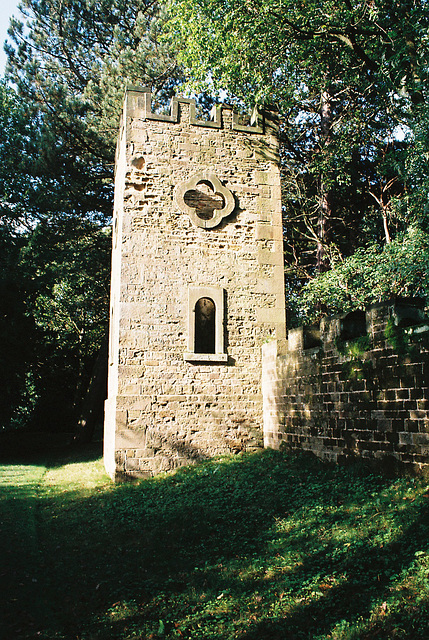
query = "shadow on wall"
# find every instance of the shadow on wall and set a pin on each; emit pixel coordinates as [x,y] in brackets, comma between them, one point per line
[163,453]
[357,386]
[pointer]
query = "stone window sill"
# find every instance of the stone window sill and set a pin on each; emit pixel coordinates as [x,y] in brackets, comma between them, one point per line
[220,358]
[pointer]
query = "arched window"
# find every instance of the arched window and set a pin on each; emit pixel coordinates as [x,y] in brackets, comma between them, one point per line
[206,310]
[205,324]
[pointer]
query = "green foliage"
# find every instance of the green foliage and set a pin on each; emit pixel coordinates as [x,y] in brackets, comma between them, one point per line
[72,59]
[54,302]
[67,269]
[258,546]
[398,338]
[18,394]
[18,146]
[370,275]
[55,269]
[347,80]
[354,348]
[355,366]
[41,175]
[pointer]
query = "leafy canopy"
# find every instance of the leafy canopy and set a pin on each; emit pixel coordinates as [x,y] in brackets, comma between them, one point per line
[348,79]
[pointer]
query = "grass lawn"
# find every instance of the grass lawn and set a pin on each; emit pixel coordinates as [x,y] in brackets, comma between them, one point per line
[256,547]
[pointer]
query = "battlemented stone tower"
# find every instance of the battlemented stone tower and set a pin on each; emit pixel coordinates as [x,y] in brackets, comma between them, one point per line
[197,284]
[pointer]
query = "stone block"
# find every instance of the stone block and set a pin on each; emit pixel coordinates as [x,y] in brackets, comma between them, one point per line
[160,254]
[270,257]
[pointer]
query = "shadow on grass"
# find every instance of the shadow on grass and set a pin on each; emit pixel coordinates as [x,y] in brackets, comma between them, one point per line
[39,447]
[360,603]
[253,547]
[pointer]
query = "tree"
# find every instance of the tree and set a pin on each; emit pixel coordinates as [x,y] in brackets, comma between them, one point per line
[348,80]
[399,269]
[73,58]
[66,264]
[18,395]
[55,267]
[16,143]
[70,61]
[315,46]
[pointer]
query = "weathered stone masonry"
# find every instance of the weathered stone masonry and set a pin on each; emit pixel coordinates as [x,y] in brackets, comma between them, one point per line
[197,285]
[198,314]
[360,389]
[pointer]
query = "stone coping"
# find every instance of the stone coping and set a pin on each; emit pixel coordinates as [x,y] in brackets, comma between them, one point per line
[219,358]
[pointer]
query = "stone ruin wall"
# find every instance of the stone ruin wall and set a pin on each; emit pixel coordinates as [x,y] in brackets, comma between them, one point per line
[358,387]
[168,406]
[355,387]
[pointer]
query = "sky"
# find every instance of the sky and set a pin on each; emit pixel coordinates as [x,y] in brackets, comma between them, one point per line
[7,9]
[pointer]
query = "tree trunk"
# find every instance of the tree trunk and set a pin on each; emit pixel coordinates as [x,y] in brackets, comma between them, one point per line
[93,403]
[325,206]
[322,259]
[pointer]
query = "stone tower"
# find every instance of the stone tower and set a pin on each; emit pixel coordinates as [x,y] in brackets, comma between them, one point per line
[197,284]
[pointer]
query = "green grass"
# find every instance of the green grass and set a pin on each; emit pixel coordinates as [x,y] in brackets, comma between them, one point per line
[262,546]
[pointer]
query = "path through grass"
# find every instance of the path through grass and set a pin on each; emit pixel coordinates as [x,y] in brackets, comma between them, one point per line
[20,557]
[262,546]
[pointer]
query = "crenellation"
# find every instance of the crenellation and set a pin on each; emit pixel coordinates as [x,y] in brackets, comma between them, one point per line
[165,394]
[199,361]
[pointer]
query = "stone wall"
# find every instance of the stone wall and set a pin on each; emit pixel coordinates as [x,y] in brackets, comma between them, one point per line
[197,221]
[355,387]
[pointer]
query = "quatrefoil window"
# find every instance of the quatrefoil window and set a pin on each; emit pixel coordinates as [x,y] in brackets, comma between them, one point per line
[206,201]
